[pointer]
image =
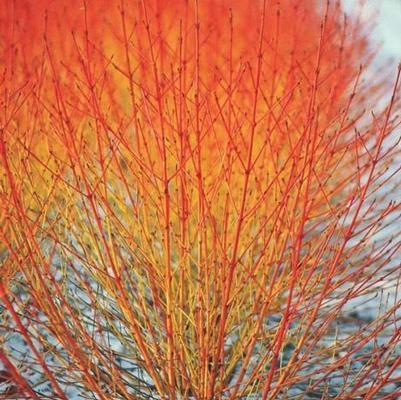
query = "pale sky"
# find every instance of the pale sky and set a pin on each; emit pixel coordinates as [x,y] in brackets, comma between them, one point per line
[388,28]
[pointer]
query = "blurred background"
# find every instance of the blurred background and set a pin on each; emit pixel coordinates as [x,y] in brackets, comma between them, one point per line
[387,32]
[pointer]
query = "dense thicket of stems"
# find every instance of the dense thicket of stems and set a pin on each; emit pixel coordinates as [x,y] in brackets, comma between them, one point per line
[196,199]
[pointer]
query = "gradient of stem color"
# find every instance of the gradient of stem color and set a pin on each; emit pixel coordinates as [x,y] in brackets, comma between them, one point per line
[192,194]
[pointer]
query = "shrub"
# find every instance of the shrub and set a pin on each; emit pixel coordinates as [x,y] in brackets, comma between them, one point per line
[197,197]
